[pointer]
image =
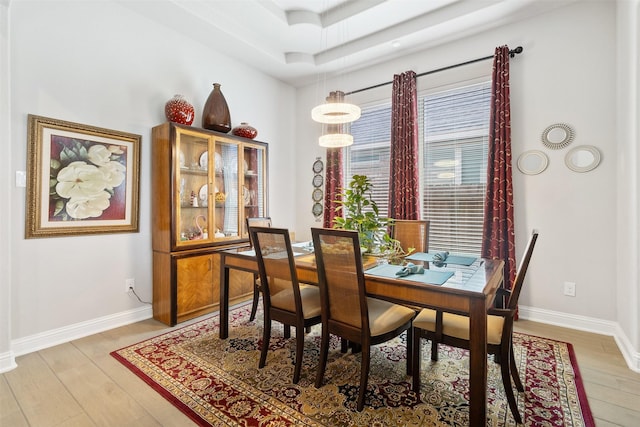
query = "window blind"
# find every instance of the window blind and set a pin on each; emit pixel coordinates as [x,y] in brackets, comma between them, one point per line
[453,129]
[455,144]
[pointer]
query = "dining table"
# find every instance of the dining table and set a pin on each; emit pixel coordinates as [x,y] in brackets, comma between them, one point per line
[457,288]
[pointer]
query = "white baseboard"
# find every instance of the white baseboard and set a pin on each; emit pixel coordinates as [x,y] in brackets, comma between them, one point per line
[631,356]
[53,337]
[588,324]
[79,330]
[7,361]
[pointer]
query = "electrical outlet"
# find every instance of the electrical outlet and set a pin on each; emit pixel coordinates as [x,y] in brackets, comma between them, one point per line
[570,289]
[129,284]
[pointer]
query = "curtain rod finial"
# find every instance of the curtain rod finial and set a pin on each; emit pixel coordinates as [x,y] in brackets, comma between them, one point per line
[514,52]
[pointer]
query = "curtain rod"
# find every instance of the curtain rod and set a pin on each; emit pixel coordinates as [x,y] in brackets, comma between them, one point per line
[512,53]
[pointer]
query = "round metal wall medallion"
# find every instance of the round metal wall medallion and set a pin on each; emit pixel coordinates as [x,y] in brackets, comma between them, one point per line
[317,209]
[318,166]
[557,136]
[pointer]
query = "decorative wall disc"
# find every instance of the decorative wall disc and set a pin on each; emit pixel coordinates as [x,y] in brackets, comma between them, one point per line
[318,166]
[557,136]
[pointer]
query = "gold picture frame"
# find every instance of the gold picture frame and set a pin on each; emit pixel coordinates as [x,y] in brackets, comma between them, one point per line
[81,179]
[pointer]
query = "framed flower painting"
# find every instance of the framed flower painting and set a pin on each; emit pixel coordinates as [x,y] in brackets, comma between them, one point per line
[81,179]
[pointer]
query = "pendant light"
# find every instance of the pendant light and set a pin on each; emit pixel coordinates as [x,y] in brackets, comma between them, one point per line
[335,114]
[335,110]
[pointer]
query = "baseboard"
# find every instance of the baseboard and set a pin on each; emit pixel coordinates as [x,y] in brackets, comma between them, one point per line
[631,356]
[7,361]
[53,337]
[587,324]
[79,330]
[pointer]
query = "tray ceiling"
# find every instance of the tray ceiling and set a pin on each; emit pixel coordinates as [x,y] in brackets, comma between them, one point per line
[295,40]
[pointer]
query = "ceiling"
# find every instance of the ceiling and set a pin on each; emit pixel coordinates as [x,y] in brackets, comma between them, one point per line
[296,40]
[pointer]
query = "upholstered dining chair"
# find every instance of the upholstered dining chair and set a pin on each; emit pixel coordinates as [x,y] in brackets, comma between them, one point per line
[452,329]
[411,234]
[346,310]
[283,298]
[256,222]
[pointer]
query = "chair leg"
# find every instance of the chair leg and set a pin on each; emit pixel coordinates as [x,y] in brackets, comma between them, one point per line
[287,331]
[324,350]
[344,345]
[266,335]
[409,350]
[434,350]
[508,389]
[364,376]
[256,297]
[514,371]
[299,353]
[415,359]
[437,337]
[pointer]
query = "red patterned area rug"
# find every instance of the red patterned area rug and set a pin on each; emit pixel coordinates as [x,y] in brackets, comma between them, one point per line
[217,382]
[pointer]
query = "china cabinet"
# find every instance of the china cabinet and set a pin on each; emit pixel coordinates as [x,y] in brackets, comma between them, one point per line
[204,185]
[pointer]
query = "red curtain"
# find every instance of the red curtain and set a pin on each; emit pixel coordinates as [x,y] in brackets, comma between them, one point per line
[333,185]
[404,202]
[498,228]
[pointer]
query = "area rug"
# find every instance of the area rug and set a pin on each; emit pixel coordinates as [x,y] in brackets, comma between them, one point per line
[217,382]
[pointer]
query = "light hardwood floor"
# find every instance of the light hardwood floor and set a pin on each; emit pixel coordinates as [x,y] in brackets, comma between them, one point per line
[80,384]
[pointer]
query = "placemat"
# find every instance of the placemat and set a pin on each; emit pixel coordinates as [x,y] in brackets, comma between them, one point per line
[429,276]
[451,259]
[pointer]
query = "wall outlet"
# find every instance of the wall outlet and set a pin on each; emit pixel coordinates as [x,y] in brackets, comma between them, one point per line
[570,289]
[129,284]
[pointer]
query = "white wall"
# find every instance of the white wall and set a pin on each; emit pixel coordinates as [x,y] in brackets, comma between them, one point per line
[102,64]
[6,356]
[628,165]
[567,74]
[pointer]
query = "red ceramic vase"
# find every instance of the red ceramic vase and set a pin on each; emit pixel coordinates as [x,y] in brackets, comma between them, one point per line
[179,110]
[245,131]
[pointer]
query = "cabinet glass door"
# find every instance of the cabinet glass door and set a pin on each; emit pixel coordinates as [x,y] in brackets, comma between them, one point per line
[254,189]
[226,191]
[192,195]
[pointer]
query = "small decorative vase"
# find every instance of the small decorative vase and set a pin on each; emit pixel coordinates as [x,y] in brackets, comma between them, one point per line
[179,110]
[245,131]
[215,115]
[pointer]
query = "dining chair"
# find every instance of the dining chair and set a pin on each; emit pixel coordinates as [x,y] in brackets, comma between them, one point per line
[283,298]
[453,330]
[411,234]
[346,310]
[256,222]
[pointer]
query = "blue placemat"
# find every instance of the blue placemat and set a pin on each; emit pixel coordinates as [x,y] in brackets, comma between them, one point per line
[451,259]
[429,276]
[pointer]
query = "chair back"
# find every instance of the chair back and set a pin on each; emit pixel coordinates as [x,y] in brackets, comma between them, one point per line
[512,304]
[276,264]
[341,279]
[411,234]
[257,222]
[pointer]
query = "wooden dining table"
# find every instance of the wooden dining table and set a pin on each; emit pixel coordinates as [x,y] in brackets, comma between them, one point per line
[469,291]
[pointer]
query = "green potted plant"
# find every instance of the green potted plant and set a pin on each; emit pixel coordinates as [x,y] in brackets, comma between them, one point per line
[359,212]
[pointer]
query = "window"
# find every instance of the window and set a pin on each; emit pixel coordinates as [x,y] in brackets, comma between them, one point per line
[454,127]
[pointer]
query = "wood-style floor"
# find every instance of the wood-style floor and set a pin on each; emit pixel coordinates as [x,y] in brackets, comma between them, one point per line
[80,384]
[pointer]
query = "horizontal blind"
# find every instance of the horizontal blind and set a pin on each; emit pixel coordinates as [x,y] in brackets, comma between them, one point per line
[454,155]
[370,153]
[456,126]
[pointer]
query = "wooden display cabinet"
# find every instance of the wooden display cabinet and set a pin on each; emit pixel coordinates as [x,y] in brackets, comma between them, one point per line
[204,185]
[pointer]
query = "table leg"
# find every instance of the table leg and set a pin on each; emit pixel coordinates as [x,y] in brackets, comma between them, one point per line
[224,298]
[478,362]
